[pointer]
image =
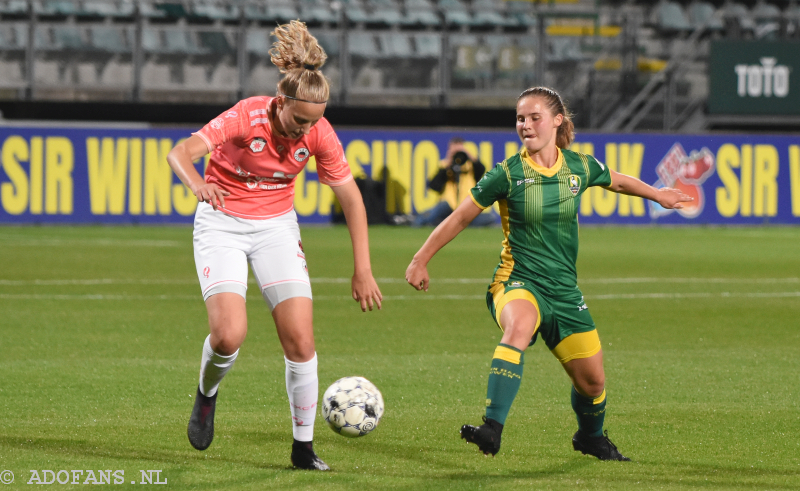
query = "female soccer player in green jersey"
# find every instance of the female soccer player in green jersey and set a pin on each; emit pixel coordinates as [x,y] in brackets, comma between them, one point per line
[534,288]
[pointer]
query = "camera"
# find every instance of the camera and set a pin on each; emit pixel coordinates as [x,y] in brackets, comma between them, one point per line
[459,159]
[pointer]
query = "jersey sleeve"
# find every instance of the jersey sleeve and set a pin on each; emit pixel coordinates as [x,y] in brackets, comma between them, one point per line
[599,173]
[493,186]
[332,166]
[225,127]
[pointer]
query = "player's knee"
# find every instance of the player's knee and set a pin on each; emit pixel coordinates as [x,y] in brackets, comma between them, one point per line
[226,345]
[299,352]
[521,328]
[591,386]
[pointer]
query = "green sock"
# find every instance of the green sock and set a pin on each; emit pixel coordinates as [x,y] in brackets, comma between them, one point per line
[591,411]
[504,379]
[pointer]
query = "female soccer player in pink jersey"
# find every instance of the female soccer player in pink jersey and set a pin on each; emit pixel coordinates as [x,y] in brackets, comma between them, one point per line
[245,214]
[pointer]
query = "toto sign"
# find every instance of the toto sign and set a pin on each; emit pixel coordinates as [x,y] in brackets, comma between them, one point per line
[754,77]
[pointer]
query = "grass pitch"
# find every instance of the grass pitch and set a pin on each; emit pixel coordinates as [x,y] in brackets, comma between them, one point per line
[102,329]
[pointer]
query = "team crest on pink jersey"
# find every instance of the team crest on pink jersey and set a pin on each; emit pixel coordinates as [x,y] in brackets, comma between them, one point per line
[258,144]
[301,154]
[217,123]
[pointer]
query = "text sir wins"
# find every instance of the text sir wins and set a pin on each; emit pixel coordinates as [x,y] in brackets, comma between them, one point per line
[93,477]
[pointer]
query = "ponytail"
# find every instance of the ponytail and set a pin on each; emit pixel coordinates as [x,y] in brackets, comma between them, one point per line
[298,56]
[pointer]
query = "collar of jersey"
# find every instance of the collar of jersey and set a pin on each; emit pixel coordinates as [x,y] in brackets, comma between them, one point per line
[545,171]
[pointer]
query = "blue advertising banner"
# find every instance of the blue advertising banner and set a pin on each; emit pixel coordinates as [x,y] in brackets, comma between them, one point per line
[98,175]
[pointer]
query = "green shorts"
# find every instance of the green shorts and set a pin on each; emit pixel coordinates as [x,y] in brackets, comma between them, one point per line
[564,322]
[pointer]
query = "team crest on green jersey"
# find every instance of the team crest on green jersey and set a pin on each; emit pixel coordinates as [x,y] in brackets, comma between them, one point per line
[574,184]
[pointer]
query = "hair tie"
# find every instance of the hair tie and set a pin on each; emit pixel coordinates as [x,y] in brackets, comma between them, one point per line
[308,66]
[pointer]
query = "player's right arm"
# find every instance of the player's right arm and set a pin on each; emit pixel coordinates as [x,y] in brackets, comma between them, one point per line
[181,159]
[417,272]
[494,185]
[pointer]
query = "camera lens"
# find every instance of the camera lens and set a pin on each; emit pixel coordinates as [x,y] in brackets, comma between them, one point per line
[459,158]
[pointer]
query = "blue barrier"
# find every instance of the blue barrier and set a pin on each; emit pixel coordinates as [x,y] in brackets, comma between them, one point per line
[97,175]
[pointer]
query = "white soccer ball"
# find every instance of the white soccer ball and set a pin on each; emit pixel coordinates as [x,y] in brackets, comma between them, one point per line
[352,406]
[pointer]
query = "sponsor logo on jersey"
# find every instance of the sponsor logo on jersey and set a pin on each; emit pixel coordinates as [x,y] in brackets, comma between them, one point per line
[529,180]
[574,184]
[266,183]
[217,123]
[231,114]
[258,144]
[582,305]
[300,245]
[281,175]
[305,267]
[516,283]
[280,148]
[301,154]
[206,271]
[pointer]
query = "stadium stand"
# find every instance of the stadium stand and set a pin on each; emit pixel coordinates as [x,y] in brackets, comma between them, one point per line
[434,53]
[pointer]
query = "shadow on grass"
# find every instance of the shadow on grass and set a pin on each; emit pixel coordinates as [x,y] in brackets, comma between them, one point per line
[84,448]
[695,476]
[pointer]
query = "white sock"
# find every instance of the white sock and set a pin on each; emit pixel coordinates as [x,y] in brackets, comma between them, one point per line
[213,367]
[302,388]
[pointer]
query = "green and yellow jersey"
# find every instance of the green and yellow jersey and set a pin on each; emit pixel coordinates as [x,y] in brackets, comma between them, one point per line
[539,211]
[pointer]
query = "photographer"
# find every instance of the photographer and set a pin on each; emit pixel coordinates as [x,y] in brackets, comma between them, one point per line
[458,173]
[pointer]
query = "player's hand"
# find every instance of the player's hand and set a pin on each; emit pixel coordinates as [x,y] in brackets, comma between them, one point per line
[366,291]
[671,198]
[417,275]
[211,193]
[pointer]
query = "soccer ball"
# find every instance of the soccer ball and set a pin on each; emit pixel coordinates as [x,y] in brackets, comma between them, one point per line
[352,406]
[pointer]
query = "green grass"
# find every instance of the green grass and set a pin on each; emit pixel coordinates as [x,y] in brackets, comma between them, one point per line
[702,380]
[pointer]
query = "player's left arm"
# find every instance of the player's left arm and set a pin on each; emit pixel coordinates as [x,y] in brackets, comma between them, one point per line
[365,289]
[669,198]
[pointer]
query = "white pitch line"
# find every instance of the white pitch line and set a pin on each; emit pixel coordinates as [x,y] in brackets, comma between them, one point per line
[99,281]
[419,296]
[37,296]
[130,281]
[17,241]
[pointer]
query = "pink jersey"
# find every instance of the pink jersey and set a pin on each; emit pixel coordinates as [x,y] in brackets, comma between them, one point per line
[259,167]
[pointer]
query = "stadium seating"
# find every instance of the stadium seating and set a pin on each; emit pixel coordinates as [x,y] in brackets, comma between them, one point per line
[669,16]
[456,13]
[702,14]
[421,13]
[374,46]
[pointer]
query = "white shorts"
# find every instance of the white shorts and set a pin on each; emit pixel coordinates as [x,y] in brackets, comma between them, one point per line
[224,244]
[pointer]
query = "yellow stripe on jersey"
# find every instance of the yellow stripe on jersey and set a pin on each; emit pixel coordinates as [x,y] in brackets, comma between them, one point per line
[476,202]
[500,299]
[578,345]
[507,354]
[599,399]
[507,266]
[585,162]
